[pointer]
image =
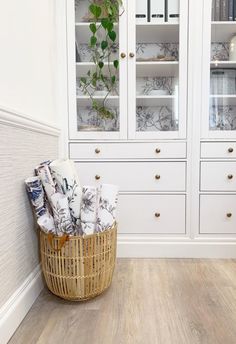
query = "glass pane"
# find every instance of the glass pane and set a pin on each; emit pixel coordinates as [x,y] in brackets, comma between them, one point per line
[222,111]
[97,79]
[157,66]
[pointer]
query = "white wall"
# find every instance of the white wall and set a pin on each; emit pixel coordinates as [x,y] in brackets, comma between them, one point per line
[27,57]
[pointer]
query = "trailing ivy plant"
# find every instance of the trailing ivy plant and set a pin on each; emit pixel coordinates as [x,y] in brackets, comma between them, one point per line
[103,15]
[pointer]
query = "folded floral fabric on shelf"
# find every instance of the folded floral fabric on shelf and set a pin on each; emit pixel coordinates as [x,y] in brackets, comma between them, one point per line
[35,190]
[61,214]
[44,174]
[65,175]
[106,215]
[46,223]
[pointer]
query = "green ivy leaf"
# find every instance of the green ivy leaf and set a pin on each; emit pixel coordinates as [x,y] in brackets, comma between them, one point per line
[105,23]
[116,64]
[113,79]
[110,26]
[83,80]
[93,28]
[93,41]
[101,64]
[104,45]
[112,35]
[95,10]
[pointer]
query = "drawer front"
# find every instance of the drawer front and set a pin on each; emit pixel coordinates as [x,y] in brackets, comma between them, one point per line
[218,176]
[211,150]
[127,150]
[218,214]
[134,176]
[151,214]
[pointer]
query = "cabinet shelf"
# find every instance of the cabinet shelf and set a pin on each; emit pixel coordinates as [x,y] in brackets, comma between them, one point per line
[83,32]
[168,100]
[83,67]
[155,68]
[147,33]
[223,64]
[85,100]
[224,99]
[222,31]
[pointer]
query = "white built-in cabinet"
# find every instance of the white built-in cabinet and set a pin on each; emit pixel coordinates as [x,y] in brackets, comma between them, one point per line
[171,146]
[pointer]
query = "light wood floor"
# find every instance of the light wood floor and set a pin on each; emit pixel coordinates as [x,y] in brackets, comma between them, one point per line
[149,302]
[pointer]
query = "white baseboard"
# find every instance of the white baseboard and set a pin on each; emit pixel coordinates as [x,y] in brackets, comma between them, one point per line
[15,309]
[223,250]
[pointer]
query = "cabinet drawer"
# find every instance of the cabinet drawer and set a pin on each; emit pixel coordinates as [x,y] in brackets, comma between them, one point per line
[134,176]
[218,176]
[217,214]
[151,214]
[127,150]
[211,150]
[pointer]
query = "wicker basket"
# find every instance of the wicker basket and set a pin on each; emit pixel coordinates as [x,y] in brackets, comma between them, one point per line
[78,268]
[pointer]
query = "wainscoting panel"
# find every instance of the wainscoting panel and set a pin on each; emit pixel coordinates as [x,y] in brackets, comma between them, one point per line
[21,149]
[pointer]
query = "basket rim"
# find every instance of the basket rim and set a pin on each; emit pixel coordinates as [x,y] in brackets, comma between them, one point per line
[84,236]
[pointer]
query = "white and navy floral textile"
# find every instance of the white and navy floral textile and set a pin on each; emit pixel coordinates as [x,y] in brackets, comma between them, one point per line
[107,207]
[46,223]
[61,214]
[45,175]
[36,194]
[67,180]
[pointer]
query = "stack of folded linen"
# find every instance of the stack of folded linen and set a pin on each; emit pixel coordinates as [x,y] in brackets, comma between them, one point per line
[63,207]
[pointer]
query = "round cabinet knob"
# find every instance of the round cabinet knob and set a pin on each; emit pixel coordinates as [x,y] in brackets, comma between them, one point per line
[157,215]
[97,151]
[123,55]
[229,215]
[157,176]
[158,151]
[131,55]
[97,177]
[230,176]
[230,150]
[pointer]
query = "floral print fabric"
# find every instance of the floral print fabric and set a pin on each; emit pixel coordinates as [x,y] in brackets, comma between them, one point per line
[36,194]
[107,206]
[61,213]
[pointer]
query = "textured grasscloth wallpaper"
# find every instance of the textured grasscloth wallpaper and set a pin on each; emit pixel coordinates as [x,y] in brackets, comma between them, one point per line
[20,151]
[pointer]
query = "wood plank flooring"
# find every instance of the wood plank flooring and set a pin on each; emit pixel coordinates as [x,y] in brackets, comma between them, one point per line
[159,301]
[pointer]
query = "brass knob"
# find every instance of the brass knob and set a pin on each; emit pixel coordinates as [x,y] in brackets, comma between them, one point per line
[131,55]
[97,151]
[230,150]
[229,215]
[97,177]
[230,176]
[123,55]
[157,214]
[158,150]
[157,176]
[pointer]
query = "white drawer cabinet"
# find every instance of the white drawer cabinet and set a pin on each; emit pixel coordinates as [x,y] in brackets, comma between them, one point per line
[218,150]
[151,214]
[218,214]
[101,151]
[135,176]
[218,176]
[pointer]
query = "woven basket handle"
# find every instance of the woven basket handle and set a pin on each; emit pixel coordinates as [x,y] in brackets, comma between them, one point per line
[62,242]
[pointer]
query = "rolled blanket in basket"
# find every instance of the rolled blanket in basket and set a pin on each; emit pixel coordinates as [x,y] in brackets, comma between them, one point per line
[46,223]
[66,177]
[35,190]
[88,228]
[89,204]
[61,213]
[44,174]
[107,207]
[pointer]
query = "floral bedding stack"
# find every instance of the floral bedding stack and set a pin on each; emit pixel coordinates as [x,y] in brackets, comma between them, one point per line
[63,207]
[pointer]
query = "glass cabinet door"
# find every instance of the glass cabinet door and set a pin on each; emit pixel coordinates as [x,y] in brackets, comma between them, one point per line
[219,72]
[157,68]
[97,84]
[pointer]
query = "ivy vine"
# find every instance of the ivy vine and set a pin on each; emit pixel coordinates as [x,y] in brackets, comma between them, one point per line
[104,14]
